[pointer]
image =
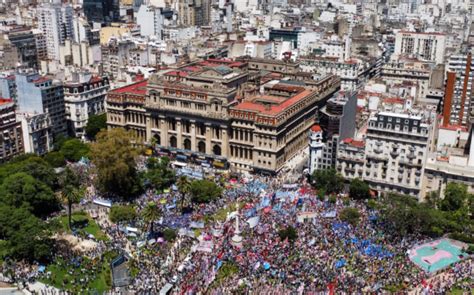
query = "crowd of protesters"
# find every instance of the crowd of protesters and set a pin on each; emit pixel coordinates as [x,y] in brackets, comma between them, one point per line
[327,254]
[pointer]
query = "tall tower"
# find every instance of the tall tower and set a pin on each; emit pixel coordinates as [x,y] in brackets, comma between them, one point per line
[56,23]
[316,146]
[458,90]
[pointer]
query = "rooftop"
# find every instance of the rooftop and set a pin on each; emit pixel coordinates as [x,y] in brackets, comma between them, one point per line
[138,88]
[252,104]
[355,143]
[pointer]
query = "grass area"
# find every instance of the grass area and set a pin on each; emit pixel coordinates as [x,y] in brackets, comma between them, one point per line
[221,214]
[83,223]
[459,291]
[87,276]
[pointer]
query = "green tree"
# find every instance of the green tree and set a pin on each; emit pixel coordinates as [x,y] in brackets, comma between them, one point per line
[184,187]
[289,233]
[169,234]
[26,236]
[204,191]
[328,180]
[432,199]
[350,215]
[74,149]
[455,197]
[32,165]
[95,124]
[22,190]
[158,173]
[114,158]
[55,159]
[122,213]
[359,189]
[72,190]
[151,213]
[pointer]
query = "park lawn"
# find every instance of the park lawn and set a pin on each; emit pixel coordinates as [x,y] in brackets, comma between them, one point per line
[62,279]
[91,228]
[221,214]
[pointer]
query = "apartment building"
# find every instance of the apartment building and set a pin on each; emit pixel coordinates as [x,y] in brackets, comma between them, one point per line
[11,137]
[84,96]
[396,149]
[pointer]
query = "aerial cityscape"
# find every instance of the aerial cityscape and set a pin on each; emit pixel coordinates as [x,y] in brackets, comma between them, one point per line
[236,147]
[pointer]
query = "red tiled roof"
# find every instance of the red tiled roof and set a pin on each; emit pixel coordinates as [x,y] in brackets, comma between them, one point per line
[135,88]
[274,109]
[316,128]
[355,143]
[5,100]
[95,79]
[453,127]
[394,100]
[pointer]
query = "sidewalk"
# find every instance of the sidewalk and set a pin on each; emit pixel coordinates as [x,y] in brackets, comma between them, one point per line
[41,288]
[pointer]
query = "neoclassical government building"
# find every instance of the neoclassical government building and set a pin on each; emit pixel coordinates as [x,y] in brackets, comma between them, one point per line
[255,119]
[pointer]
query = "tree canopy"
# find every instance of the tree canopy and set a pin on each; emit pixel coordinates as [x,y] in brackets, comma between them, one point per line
[151,213]
[350,215]
[327,180]
[26,236]
[72,190]
[158,174]
[23,190]
[404,214]
[32,165]
[455,197]
[122,213]
[95,124]
[115,157]
[359,189]
[73,149]
[289,233]
[204,191]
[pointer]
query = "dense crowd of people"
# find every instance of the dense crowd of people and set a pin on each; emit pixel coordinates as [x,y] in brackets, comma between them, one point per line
[326,254]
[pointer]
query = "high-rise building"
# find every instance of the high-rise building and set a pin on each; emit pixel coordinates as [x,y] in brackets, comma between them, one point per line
[11,138]
[41,95]
[457,106]
[424,46]
[56,23]
[396,149]
[102,11]
[24,41]
[194,12]
[338,116]
[84,96]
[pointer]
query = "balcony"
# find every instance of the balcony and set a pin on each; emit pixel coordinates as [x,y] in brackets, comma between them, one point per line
[394,153]
[350,170]
[409,163]
[411,156]
[378,150]
[418,172]
[377,158]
